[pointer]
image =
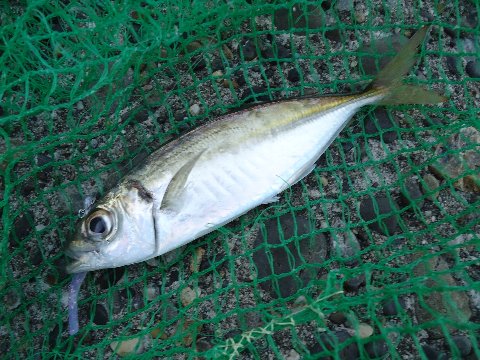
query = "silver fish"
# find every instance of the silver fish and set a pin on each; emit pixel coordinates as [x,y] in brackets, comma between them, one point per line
[223,169]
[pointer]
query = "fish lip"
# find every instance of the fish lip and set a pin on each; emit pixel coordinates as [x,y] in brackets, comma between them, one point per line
[74,267]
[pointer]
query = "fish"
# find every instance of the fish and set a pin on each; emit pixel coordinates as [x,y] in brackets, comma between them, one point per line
[215,173]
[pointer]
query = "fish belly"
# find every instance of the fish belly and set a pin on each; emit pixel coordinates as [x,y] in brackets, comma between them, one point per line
[237,180]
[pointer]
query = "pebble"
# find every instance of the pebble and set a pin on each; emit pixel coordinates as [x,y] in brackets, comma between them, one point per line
[22,227]
[360,17]
[195,109]
[364,331]
[11,299]
[452,304]
[411,193]
[101,314]
[380,122]
[334,35]
[292,355]
[390,307]
[313,250]
[128,347]
[338,318]
[375,57]
[453,65]
[187,296]
[80,106]
[344,243]
[94,143]
[376,349]
[430,185]
[433,354]
[196,260]
[387,225]
[354,284]
[36,257]
[315,14]
[110,277]
[198,62]
[293,75]
[202,345]
[249,51]
[333,341]
[463,344]
[473,68]
[152,293]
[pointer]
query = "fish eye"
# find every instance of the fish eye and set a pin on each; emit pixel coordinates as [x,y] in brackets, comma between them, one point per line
[99,224]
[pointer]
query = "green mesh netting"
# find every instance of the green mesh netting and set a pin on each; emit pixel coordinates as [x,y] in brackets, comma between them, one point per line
[375,254]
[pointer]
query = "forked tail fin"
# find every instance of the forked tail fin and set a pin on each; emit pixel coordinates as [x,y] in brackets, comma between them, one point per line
[389,79]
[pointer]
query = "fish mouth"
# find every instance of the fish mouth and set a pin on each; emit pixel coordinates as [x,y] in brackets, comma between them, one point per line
[75,267]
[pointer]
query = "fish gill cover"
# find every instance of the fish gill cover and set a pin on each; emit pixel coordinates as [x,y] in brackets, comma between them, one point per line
[374,254]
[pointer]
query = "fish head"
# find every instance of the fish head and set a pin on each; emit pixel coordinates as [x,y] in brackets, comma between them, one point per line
[120,230]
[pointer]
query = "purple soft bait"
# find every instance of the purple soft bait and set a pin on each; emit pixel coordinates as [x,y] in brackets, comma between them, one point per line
[74,289]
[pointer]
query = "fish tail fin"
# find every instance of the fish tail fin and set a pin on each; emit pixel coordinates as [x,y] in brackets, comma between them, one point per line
[389,79]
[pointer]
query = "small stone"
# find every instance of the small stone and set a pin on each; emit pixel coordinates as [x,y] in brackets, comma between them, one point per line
[22,227]
[152,293]
[445,302]
[128,347]
[344,243]
[364,331]
[198,63]
[11,299]
[380,123]
[354,284]
[430,186]
[311,17]
[411,193]
[333,341]
[293,75]
[80,106]
[292,355]
[374,207]
[338,318]
[283,52]
[453,65]
[217,74]
[202,345]
[463,344]
[197,259]
[376,349]
[249,51]
[433,354]
[360,17]
[187,296]
[390,308]
[101,314]
[287,254]
[473,69]
[94,143]
[110,277]
[36,257]
[334,35]
[195,109]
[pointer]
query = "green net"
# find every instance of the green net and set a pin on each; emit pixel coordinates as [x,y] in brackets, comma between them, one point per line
[375,254]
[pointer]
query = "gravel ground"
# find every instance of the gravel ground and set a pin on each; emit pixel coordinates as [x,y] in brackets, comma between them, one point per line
[209,295]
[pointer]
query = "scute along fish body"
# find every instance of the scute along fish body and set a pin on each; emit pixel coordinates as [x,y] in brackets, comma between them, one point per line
[225,168]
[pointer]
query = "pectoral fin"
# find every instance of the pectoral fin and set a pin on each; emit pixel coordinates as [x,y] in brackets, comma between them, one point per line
[173,194]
